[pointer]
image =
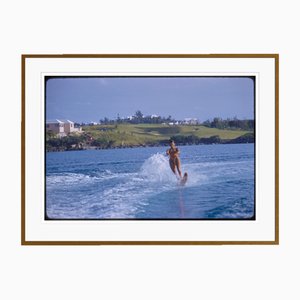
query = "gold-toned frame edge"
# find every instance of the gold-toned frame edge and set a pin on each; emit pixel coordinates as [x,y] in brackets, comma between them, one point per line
[23,240]
[103,243]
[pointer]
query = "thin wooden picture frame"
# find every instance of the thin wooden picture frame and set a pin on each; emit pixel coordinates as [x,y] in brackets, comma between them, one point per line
[25,147]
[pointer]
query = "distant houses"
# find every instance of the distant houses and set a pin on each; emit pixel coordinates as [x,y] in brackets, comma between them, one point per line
[190,121]
[186,121]
[62,127]
[92,123]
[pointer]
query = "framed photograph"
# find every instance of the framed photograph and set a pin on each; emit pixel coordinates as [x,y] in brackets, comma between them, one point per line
[151,149]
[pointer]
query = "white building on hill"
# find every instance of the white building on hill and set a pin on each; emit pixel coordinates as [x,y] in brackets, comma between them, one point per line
[61,127]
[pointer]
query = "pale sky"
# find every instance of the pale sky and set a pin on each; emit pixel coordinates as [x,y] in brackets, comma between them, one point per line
[86,99]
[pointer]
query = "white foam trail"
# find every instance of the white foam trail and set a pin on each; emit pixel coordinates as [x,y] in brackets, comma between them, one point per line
[67,179]
[156,168]
[128,194]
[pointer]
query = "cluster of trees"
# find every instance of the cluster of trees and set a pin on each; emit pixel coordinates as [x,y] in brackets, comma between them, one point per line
[69,142]
[103,142]
[138,118]
[194,140]
[230,124]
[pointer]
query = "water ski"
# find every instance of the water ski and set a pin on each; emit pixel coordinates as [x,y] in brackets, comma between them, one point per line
[183,180]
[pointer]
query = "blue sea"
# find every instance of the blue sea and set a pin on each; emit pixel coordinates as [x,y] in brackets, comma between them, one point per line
[137,183]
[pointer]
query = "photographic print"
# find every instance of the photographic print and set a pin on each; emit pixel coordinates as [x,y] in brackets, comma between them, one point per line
[152,149]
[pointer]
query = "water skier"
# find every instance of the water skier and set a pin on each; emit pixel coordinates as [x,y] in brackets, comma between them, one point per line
[174,161]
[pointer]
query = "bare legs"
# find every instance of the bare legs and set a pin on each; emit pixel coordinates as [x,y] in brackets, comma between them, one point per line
[175,165]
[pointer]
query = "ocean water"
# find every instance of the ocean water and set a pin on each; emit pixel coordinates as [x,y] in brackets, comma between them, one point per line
[137,183]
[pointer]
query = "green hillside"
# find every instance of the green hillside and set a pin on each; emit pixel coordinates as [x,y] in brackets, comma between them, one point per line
[123,135]
[137,135]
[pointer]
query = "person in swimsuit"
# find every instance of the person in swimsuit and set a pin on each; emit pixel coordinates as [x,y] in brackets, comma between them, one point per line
[174,160]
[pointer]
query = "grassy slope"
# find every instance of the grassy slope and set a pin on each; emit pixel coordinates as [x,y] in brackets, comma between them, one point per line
[136,134]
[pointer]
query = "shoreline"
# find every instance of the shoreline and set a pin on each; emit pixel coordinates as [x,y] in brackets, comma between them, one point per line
[147,146]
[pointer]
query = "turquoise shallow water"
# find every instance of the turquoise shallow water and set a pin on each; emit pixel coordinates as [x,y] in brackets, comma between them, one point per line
[137,183]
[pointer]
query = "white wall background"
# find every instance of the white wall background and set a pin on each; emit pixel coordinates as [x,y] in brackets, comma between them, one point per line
[132,272]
